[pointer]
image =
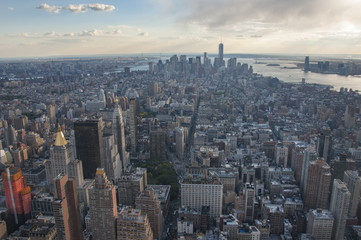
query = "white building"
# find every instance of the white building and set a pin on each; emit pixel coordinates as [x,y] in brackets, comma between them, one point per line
[198,192]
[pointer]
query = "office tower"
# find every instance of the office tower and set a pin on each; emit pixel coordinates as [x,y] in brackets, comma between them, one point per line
[133,224]
[249,194]
[309,154]
[316,195]
[179,134]
[51,114]
[119,135]
[103,207]
[21,122]
[112,163]
[62,160]
[10,136]
[89,145]
[281,155]
[131,185]
[220,54]
[350,114]
[320,223]
[307,64]
[17,194]
[340,202]
[353,182]
[196,192]
[66,208]
[133,125]
[148,203]
[157,144]
[102,97]
[205,59]
[342,164]
[324,144]
[151,67]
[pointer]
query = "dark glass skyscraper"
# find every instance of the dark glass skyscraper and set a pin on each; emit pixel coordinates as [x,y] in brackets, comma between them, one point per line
[89,145]
[220,54]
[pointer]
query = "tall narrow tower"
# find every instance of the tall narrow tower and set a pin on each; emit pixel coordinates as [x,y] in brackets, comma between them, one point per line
[103,207]
[17,194]
[133,125]
[66,209]
[340,201]
[62,160]
[353,182]
[220,54]
[89,145]
[118,132]
[316,195]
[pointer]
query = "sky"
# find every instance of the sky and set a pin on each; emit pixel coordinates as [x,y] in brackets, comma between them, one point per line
[32,28]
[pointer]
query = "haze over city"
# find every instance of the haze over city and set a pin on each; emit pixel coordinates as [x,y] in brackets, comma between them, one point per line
[55,28]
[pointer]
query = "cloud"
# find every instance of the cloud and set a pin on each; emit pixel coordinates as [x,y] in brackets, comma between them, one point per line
[281,14]
[77,8]
[11,8]
[48,8]
[145,34]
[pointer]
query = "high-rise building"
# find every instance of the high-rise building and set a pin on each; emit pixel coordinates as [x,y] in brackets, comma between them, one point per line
[131,185]
[157,144]
[66,208]
[309,154]
[281,155]
[51,114]
[353,182]
[316,195]
[62,160]
[179,132]
[350,114]
[89,145]
[324,144]
[17,194]
[133,125]
[103,207]
[112,163]
[307,64]
[342,164]
[320,223]
[149,204]
[220,54]
[132,224]
[340,202]
[249,193]
[196,192]
[119,136]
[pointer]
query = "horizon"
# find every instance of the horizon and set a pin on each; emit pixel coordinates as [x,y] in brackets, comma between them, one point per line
[36,29]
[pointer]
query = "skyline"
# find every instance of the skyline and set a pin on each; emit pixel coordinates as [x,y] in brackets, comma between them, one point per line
[52,28]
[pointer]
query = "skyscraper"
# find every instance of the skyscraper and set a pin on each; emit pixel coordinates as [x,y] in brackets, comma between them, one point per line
[196,192]
[353,182]
[316,195]
[62,160]
[220,54]
[103,207]
[118,132]
[340,202]
[157,144]
[66,208]
[17,194]
[112,163]
[149,204]
[133,125]
[89,145]
[179,134]
[249,194]
[307,64]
